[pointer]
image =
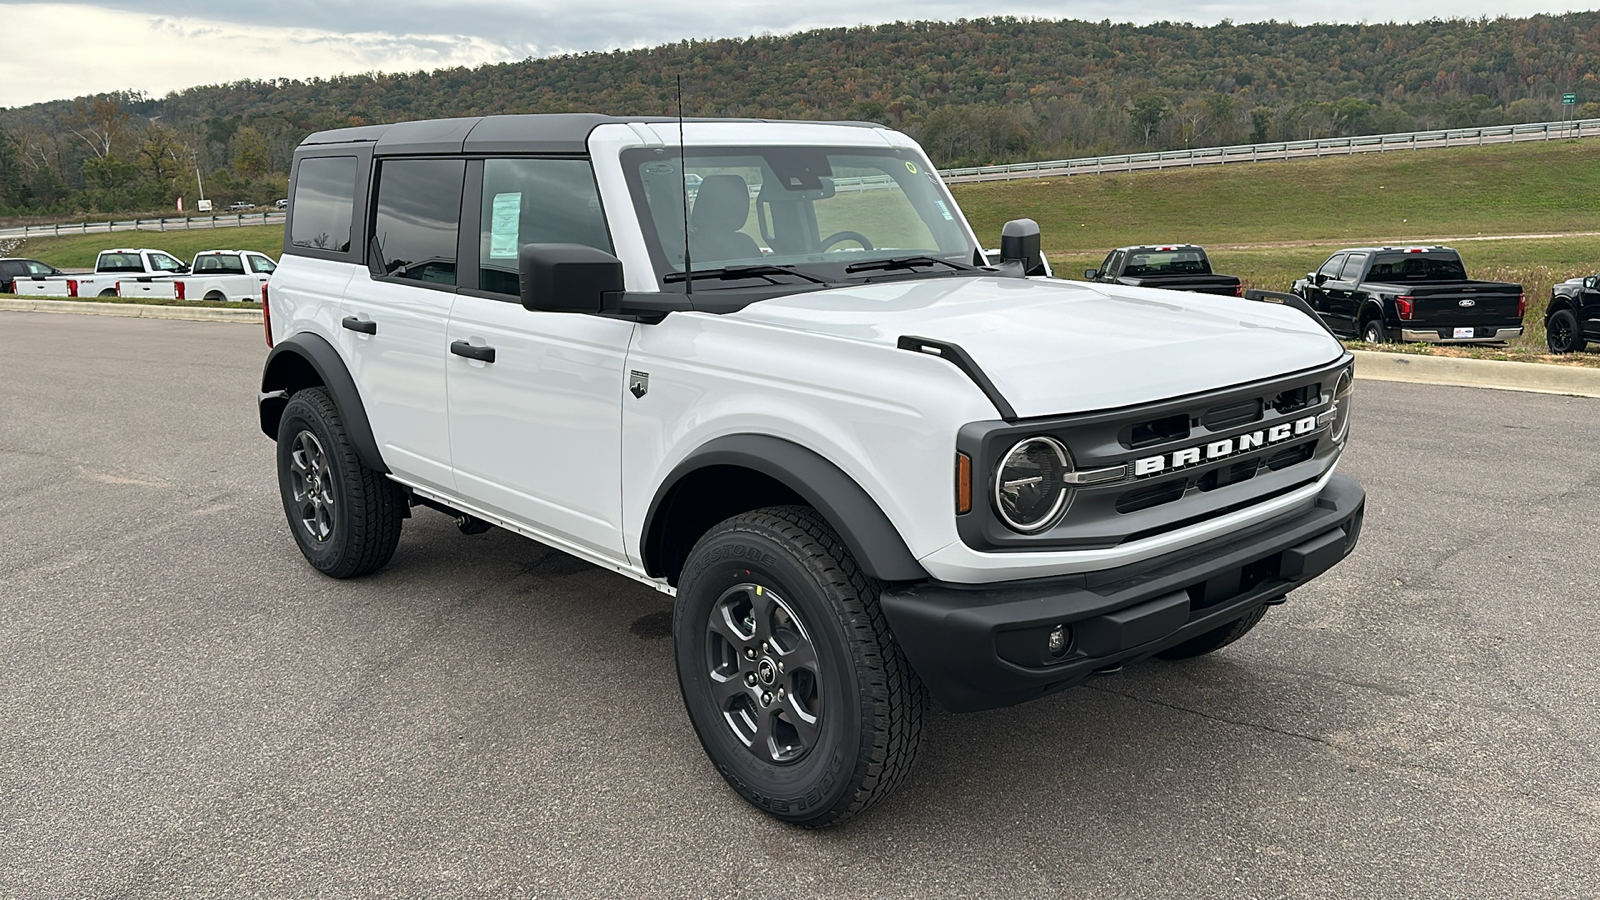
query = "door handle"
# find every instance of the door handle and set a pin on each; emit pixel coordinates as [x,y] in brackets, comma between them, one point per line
[365,326]
[462,348]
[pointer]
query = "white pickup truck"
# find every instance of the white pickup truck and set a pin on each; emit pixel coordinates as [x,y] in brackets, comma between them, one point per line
[110,267]
[214,275]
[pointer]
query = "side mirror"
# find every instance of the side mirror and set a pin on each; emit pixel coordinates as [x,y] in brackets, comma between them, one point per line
[1019,245]
[1318,278]
[1091,274]
[1589,282]
[182,270]
[567,277]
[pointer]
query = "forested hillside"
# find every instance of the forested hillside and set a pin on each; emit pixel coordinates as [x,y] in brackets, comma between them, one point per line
[985,90]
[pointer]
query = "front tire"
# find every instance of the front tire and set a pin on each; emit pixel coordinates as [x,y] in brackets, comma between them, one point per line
[789,673]
[1563,334]
[345,516]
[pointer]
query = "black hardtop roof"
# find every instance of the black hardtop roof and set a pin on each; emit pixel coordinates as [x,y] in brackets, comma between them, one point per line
[547,133]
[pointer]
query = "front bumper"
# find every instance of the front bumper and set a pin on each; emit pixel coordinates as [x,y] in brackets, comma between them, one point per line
[979,647]
[1442,335]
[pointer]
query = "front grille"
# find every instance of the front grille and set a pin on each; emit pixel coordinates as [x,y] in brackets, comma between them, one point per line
[1215,456]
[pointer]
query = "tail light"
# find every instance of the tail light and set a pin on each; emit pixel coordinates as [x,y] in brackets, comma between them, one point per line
[178,287]
[117,289]
[1403,305]
[1522,304]
[1238,289]
[266,315]
[72,287]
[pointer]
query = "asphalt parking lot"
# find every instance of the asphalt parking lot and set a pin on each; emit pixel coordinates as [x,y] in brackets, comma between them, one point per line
[188,709]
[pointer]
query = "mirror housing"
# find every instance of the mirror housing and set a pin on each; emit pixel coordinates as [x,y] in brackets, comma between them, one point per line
[1091,274]
[1318,279]
[567,277]
[1019,246]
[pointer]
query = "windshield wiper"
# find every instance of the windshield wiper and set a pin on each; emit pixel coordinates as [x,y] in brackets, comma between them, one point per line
[905,262]
[728,273]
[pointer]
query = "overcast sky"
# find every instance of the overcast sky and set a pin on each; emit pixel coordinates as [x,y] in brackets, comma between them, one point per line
[59,50]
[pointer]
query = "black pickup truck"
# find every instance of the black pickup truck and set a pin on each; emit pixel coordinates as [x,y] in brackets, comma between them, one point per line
[1572,319]
[1411,294]
[1172,267]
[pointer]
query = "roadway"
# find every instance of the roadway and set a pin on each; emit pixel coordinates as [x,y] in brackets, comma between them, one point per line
[186,708]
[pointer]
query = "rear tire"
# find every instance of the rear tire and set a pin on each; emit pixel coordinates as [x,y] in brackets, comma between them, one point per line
[793,682]
[345,516]
[1372,332]
[1215,639]
[216,297]
[108,292]
[1563,334]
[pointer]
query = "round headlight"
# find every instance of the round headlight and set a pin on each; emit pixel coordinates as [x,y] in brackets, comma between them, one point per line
[1343,394]
[1030,487]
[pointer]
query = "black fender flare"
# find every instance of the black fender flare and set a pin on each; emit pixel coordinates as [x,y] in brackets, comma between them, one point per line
[1373,308]
[1558,302]
[871,537]
[284,373]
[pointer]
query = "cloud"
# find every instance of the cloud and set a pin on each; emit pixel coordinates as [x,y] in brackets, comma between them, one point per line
[111,50]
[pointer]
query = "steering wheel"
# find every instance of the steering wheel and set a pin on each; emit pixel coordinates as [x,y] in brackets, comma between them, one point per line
[838,236]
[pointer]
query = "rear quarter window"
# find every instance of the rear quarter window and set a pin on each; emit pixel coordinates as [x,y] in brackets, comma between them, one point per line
[323,206]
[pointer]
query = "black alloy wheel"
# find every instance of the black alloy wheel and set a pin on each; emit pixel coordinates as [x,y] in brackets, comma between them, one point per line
[1562,333]
[763,671]
[1372,332]
[796,688]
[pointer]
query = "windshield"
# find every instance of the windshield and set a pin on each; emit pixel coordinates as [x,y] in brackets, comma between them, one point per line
[1414,266]
[1146,263]
[816,211]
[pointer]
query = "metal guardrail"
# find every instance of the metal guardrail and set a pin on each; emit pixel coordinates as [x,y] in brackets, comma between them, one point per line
[1245,153]
[232,220]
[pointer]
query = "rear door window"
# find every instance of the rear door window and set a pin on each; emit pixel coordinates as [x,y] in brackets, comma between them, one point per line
[1353,267]
[415,228]
[535,201]
[324,203]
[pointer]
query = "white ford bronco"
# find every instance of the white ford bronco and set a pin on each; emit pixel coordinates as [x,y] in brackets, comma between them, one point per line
[765,368]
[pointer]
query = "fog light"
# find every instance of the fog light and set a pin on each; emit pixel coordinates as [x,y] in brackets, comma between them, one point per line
[1056,643]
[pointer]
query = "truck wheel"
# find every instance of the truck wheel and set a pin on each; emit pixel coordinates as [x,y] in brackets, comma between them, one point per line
[216,297]
[108,292]
[791,678]
[1563,334]
[1372,332]
[345,517]
[1215,639]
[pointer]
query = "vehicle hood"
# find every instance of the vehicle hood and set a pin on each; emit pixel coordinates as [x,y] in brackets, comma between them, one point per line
[1053,347]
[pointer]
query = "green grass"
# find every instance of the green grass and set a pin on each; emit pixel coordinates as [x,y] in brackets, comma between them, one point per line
[78,251]
[1505,189]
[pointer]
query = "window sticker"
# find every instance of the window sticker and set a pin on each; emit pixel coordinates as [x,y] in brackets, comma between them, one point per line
[944,211]
[507,213]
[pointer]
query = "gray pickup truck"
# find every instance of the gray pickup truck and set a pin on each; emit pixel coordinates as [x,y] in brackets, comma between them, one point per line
[1172,267]
[1383,294]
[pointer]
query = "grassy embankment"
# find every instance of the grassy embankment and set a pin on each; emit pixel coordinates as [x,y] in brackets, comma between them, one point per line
[1270,223]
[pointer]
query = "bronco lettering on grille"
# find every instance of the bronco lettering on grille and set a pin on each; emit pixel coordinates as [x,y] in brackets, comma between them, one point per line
[1215,450]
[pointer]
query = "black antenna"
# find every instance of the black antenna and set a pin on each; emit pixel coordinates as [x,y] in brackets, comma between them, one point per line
[683,185]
